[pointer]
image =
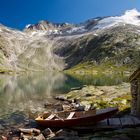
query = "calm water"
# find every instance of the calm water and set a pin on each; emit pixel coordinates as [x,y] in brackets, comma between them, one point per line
[21,96]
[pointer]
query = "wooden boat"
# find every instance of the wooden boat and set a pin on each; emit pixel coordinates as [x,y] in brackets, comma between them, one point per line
[75,118]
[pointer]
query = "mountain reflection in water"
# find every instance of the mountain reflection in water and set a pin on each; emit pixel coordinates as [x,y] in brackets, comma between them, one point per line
[27,92]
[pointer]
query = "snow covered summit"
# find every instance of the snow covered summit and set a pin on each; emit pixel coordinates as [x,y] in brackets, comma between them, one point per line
[130,17]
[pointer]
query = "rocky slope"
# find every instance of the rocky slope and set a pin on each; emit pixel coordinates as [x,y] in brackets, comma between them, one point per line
[43,46]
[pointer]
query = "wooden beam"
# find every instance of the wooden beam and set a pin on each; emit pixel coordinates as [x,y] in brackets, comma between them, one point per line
[115,122]
[136,121]
[127,122]
[103,123]
[135,75]
[138,99]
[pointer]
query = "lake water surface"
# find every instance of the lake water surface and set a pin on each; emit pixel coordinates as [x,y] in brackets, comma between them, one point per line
[22,96]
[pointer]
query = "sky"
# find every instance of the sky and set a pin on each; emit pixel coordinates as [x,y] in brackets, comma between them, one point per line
[19,13]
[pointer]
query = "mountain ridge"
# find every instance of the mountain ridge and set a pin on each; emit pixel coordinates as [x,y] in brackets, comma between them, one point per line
[131,17]
[48,46]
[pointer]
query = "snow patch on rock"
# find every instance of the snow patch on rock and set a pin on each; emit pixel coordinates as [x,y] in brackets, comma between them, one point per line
[130,17]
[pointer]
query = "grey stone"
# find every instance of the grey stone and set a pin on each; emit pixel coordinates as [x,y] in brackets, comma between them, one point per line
[40,137]
[3,138]
[47,132]
[122,137]
[66,133]
[31,137]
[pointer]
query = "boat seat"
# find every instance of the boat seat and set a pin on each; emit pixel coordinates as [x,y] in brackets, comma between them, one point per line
[71,115]
[50,117]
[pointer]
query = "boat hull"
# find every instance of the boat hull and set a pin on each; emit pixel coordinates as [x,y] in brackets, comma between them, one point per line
[76,122]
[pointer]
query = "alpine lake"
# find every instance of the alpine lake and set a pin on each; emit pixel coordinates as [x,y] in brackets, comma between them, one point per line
[23,96]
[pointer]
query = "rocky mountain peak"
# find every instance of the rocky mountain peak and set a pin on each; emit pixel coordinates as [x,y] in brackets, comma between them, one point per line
[45,25]
[62,45]
[42,25]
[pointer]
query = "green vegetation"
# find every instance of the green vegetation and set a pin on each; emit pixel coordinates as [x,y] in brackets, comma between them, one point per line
[103,96]
[89,68]
[115,49]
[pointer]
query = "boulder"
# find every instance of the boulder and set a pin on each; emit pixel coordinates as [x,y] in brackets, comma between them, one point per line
[66,107]
[61,98]
[39,137]
[31,137]
[66,133]
[3,138]
[15,132]
[124,101]
[48,133]
[79,107]
[15,138]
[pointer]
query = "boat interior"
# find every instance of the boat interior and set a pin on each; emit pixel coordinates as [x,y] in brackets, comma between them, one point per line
[66,115]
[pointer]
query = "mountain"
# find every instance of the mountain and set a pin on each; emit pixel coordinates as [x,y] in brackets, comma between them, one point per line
[46,46]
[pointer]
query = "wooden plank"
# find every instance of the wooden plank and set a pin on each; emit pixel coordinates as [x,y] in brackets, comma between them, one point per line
[107,124]
[50,117]
[102,123]
[71,115]
[127,122]
[136,121]
[115,122]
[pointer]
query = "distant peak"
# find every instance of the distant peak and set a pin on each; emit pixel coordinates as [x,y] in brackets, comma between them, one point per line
[131,17]
[132,12]
[27,26]
[44,22]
